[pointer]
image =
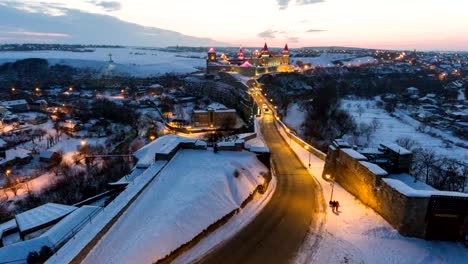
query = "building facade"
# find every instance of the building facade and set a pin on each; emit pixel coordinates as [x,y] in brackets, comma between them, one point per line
[214,118]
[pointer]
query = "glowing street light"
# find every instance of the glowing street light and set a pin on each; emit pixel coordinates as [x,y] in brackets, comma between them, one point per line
[332,180]
[83,142]
[13,89]
[70,89]
[8,172]
[152,137]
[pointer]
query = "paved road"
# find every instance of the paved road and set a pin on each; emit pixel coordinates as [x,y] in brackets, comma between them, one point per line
[276,234]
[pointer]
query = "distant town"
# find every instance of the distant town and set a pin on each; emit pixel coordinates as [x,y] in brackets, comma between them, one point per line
[105,147]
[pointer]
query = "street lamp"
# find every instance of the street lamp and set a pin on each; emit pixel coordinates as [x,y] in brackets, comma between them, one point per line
[152,137]
[83,142]
[331,179]
[8,172]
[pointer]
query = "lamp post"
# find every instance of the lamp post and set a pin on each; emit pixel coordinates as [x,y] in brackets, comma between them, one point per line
[330,178]
[83,144]
[8,172]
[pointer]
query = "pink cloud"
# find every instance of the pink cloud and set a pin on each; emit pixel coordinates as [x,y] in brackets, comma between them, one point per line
[38,34]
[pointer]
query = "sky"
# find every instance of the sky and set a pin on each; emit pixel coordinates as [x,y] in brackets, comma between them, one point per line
[388,24]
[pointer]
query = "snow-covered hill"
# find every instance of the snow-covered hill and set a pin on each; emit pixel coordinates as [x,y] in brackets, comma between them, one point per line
[131,60]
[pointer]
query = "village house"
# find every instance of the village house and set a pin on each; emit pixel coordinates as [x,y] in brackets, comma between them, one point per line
[16,105]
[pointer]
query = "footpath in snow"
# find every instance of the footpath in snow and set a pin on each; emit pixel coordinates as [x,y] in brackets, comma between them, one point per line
[359,235]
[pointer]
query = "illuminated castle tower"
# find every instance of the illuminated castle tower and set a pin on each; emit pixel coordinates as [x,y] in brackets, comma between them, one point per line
[285,59]
[211,55]
[265,51]
[240,54]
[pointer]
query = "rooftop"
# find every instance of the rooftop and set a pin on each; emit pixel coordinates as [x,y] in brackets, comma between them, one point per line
[42,215]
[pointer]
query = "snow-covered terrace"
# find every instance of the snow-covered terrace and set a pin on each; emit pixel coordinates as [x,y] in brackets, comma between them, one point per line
[195,189]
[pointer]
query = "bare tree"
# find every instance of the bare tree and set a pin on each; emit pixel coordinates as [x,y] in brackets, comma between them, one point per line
[407,143]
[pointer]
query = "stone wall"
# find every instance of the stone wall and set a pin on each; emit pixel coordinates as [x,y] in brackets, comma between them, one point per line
[406,214]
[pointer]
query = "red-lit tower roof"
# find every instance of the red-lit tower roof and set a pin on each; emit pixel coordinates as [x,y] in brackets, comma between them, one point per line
[265,49]
[240,54]
[286,49]
[211,50]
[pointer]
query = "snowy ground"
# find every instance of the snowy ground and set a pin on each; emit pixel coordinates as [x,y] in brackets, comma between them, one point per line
[324,60]
[295,118]
[359,235]
[66,144]
[403,125]
[144,63]
[195,190]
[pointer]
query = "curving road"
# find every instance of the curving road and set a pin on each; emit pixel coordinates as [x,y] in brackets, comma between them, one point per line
[278,231]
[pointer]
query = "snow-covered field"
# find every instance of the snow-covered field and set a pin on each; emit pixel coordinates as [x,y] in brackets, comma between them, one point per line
[403,125]
[132,61]
[359,235]
[195,190]
[324,60]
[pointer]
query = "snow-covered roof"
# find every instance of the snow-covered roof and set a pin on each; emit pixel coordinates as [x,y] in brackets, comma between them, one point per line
[47,154]
[42,215]
[14,102]
[11,154]
[2,143]
[406,190]
[354,154]
[53,236]
[156,85]
[41,101]
[246,64]
[163,145]
[216,106]
[374,168]
[259,149]
[395,148]
[9,225]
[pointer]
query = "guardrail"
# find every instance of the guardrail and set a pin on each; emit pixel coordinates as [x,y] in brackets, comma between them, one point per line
[76,229]
[319,154]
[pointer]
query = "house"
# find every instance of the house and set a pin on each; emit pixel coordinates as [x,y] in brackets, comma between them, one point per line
[71,125]
[14,156]
[50,156]
[39,105]
[16,105]
[216,115]
[412,90]
[41,217]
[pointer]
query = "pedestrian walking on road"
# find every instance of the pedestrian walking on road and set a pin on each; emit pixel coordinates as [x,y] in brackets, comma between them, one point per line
[337,206]
[333,205]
